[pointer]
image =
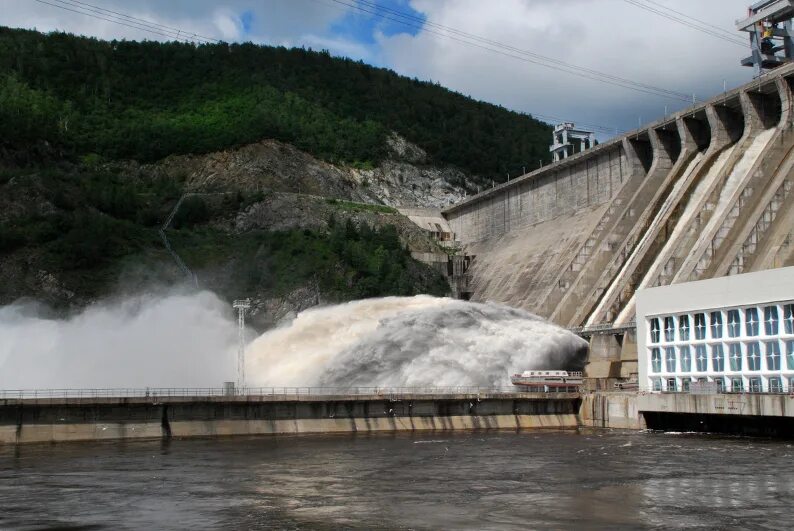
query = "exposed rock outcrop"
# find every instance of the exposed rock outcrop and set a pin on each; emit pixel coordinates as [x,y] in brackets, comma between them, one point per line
[402,180]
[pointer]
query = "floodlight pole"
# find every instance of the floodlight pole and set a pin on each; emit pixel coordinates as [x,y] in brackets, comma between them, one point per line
[241,305]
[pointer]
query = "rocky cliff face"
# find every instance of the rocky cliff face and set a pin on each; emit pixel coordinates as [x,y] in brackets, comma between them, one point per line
[404,179]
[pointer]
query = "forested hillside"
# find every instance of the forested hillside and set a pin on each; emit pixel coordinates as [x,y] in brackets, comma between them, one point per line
[71,236]
[74,97]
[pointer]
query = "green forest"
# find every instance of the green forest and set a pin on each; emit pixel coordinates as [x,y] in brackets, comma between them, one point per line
[103,224]
[75,97]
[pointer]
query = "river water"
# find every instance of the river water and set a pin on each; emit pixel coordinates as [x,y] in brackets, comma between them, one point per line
[493,480]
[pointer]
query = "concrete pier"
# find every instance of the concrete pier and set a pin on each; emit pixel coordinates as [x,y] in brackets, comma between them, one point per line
[738,413]
[105,418]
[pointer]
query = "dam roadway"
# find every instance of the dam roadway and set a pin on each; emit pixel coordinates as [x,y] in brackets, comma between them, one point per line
[75,415]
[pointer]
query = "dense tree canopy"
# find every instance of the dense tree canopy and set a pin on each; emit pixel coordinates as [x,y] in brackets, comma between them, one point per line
[146,100]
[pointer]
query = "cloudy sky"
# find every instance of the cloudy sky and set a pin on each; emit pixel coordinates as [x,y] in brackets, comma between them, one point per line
[434,40]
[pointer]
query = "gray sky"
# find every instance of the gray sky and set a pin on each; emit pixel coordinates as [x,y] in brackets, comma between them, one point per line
[611,36]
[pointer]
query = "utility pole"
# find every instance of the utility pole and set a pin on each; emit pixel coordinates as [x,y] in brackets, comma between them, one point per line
[241,305]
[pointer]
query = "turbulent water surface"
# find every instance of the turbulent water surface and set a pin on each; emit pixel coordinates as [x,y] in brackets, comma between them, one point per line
[494,480]
[409,341]
[189,340]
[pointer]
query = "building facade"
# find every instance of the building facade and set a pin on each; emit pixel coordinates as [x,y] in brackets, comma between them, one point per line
[734,333]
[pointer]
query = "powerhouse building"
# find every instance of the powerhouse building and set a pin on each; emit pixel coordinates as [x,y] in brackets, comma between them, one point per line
[735,331]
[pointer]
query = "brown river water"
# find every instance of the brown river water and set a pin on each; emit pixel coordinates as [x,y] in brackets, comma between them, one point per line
[474,480]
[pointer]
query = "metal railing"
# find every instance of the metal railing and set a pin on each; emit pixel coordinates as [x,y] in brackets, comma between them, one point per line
[731,392]
[206,392]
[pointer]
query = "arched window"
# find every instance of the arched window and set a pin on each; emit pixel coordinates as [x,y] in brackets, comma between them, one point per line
[770,320]
[754,356]
[700,326]
[735,356]
[654,330]
[734,323]
[701,358]
[790,355]
[656,359]
[669,354]
[683,328]
[716,325]
[686,359]
[669,329]
[717,358]
[751,321]
[773,355]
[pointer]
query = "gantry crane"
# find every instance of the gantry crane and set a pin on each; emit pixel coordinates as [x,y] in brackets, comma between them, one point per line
[769,24]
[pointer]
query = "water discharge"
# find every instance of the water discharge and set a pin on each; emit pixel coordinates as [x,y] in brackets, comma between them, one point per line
[189,340]
[171,340]
[409,341]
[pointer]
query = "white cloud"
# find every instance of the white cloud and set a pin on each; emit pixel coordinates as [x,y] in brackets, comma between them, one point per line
[606,35]
[228,25]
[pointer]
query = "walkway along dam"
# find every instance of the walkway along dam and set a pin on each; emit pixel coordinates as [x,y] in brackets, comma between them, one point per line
[703,193]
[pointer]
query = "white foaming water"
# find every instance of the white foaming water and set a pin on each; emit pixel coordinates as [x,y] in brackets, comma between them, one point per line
[408,341]
[189,340]
[172,340]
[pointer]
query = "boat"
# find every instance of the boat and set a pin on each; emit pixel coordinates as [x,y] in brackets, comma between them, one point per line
[548,381]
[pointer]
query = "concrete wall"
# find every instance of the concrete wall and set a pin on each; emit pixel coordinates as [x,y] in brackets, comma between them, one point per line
[24,421]
[615,410]
[582,181]
[754,405]
[734,413]
[765,415]
[692,196]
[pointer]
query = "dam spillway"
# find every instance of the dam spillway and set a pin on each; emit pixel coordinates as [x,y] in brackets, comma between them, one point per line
[703,193]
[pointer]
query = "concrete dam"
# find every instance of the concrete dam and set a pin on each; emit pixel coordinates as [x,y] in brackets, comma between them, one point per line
[702,193]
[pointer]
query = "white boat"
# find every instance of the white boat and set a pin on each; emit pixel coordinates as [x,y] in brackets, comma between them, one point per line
[548,381]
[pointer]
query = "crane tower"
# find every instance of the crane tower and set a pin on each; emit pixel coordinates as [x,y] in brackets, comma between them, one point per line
[769,24]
